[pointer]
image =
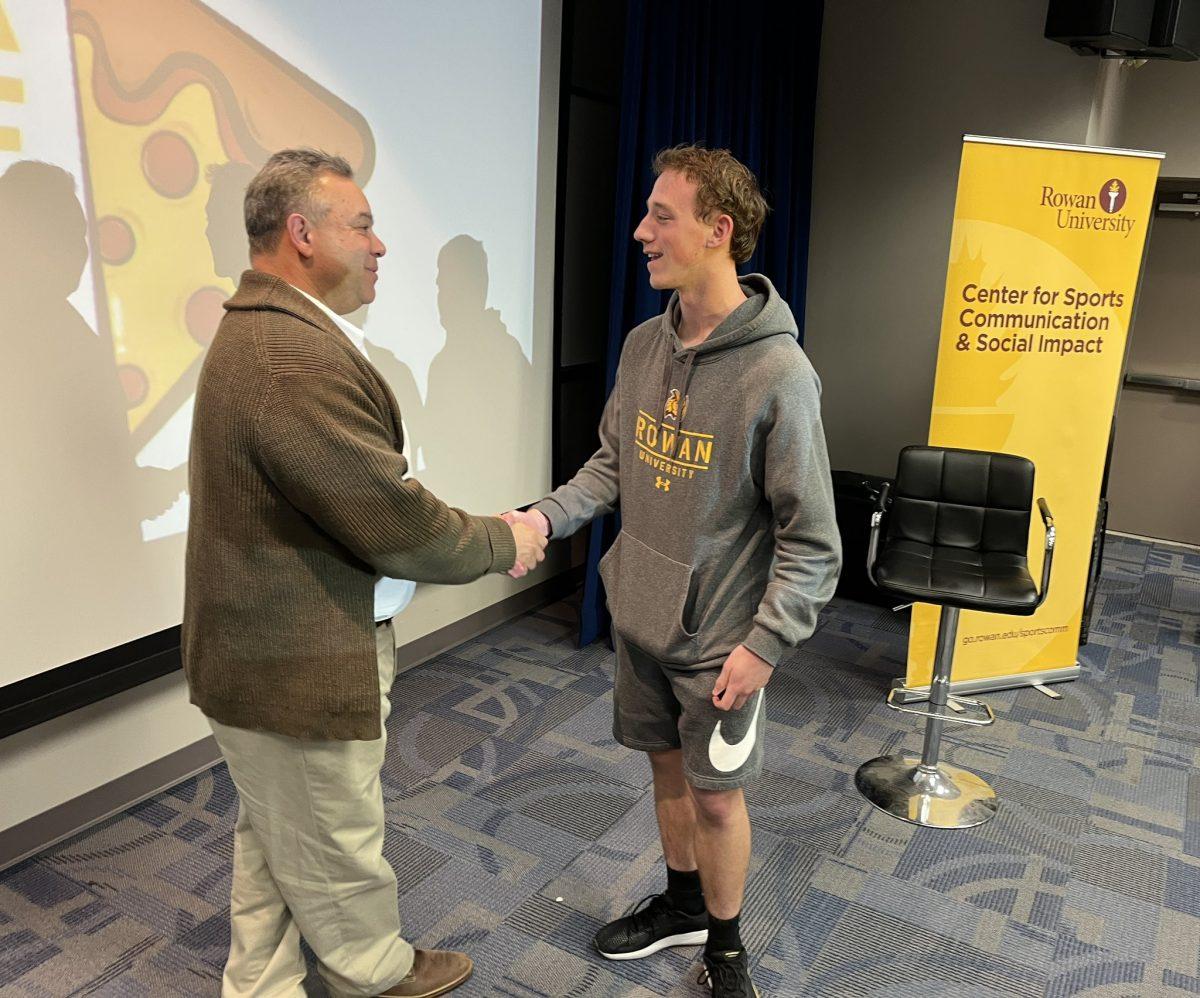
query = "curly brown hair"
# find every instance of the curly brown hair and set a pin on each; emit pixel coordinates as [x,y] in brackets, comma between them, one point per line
[723,185]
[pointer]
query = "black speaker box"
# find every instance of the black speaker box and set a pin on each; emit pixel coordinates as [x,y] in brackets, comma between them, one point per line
[1117,25]
[1175,31]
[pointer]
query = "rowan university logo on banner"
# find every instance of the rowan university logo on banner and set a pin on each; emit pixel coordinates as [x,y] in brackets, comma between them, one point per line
[671,454]
[1083,210]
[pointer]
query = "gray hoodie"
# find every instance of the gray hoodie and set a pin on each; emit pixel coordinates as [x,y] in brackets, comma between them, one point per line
[717,459]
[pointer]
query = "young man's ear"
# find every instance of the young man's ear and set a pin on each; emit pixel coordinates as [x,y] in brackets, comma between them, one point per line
[299,234]
[721,233]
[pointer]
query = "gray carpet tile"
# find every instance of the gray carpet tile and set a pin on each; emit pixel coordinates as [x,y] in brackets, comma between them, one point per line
[516,827]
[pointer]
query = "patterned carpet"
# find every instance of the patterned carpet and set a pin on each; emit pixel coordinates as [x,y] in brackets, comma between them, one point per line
[518,826]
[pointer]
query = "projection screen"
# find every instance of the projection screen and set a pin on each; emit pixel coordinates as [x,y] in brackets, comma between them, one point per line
[128,132]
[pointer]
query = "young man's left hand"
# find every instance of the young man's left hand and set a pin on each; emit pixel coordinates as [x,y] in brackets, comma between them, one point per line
[743,675]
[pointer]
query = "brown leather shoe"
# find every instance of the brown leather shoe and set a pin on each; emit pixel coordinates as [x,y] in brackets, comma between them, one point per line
[434,972]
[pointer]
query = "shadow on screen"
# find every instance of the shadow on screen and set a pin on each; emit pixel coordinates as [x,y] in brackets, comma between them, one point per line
[226,227]
[478,392]
[400,378]
[73,497]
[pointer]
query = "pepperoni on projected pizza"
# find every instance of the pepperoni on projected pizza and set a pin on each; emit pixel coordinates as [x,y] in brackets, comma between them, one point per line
[171,95]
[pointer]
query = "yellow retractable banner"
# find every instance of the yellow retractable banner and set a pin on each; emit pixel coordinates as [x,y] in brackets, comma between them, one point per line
[1044,261]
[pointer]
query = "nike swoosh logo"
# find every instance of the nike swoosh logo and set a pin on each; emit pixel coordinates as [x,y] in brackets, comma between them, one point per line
[725,758]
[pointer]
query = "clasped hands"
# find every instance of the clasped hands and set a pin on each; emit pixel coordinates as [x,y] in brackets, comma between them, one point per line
[530,530]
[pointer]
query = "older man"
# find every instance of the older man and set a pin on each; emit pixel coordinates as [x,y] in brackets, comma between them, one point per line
[302,517]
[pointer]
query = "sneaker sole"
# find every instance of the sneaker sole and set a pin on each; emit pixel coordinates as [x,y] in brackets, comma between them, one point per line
[757,994]
[697,938]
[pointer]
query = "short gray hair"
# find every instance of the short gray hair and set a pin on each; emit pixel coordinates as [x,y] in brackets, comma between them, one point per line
[284,186]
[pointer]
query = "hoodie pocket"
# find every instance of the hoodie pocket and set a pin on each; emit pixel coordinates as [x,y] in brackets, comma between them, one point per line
[649,596]
[608,573]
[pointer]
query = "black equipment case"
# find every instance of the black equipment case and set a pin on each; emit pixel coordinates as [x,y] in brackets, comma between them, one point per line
[855,496]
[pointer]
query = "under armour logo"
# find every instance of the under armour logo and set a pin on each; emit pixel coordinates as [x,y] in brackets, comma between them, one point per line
[662,483]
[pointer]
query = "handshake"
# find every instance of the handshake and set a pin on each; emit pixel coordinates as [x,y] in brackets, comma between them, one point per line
[530,530]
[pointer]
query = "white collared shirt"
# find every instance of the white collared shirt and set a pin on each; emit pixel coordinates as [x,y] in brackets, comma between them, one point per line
[391,595]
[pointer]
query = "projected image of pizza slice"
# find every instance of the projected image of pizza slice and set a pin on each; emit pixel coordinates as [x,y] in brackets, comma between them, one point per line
[179,108]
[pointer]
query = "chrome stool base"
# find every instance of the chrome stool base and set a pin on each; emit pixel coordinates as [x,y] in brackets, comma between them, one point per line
[937,796]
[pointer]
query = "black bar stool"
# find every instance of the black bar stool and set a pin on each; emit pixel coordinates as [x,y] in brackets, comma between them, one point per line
[955,533]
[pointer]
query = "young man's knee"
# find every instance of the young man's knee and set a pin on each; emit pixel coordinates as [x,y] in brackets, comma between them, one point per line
[719,807]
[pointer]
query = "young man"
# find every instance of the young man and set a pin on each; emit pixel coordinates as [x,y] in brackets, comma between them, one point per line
[300,503]
[712,445]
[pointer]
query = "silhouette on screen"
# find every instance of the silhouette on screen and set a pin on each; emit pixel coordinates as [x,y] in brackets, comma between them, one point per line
[71,479]
[479,386]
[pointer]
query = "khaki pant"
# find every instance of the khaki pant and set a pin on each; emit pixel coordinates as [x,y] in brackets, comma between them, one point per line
[308,861]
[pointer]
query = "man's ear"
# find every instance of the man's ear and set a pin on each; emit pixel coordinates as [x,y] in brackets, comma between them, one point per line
[298,232]
[721,232]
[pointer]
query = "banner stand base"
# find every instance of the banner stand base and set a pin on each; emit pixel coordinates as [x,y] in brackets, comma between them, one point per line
[916,694]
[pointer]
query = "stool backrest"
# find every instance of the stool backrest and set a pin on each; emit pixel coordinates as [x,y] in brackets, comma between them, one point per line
[962,498]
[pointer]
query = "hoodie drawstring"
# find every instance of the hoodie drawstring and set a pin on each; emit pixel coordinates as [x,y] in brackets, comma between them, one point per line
[688,364]
[683,394]
[666,383]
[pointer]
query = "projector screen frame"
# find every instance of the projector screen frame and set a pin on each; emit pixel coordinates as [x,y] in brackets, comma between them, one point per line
[57,691]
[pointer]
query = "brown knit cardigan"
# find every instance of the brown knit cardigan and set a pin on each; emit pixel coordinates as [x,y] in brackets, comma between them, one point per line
[299,502]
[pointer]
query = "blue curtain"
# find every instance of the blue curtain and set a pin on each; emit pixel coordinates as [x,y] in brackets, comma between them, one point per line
[739,76]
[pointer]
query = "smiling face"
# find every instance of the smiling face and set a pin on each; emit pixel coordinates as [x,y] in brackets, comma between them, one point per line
[678,246]
[345,250]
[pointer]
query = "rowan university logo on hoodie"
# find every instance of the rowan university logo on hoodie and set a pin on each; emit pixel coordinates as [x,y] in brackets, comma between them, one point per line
[672,409]
[669,451]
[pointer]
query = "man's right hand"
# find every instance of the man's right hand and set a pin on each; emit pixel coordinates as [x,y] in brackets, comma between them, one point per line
[531,546]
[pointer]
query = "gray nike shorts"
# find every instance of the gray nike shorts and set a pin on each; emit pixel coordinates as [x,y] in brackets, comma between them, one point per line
[657,707]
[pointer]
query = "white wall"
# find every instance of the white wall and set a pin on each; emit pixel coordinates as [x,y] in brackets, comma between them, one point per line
[1160,110]
[899,85]
[1150,491]
[55,762]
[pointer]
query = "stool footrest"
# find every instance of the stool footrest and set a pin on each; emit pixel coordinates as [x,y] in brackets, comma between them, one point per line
[946,715]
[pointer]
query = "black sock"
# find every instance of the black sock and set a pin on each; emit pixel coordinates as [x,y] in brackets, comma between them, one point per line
[684,890]
[724,934]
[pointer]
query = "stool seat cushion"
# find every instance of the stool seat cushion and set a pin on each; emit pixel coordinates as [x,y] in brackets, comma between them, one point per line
[957,531]
[996,581]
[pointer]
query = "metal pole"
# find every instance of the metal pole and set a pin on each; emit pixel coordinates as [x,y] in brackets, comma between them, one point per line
[939,685]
